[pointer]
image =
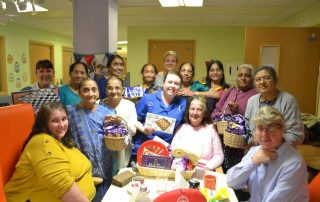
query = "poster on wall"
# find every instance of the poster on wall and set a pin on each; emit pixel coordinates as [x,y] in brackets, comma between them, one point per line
[16,67]
[18,82]
[11,77]
[23,58]
[9,59]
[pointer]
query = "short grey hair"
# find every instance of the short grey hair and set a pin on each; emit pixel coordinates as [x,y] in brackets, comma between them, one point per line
[269,69]
[270,116]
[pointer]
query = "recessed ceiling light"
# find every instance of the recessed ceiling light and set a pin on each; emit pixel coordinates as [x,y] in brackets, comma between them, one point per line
[176,3]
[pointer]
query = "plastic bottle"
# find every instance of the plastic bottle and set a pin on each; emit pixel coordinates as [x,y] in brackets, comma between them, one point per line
[143,195]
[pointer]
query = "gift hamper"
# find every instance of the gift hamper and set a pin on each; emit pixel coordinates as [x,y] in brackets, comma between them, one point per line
[115,134]
[222,121]
[154,159]
[235,134]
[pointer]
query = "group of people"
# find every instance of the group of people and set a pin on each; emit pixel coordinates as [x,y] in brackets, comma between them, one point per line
[67,136]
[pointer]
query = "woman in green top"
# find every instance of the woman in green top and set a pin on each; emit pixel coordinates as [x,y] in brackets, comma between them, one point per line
[189,87]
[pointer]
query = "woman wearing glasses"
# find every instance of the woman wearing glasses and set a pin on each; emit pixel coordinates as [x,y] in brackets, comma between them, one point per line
[274,170]
[268,95]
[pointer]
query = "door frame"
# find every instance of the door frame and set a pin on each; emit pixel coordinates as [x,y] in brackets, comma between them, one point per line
[3,73]
[65,48]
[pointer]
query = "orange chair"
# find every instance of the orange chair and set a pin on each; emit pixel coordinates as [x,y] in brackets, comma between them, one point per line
[15,125]
[314,189]
[2,195]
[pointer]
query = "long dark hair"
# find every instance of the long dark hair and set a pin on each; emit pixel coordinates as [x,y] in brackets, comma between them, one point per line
[113,57]
[41,123]
[220,65]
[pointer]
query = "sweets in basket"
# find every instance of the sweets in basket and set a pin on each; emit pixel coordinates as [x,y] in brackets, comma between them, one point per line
[236,134]
[222,122]
[154,158]
[116,134]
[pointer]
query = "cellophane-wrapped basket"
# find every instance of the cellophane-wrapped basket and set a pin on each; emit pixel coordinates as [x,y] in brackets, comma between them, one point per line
[234,135]
[222,122]
[115,134]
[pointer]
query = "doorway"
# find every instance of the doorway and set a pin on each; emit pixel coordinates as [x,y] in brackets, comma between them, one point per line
[67,60]
[184,48]
[39,51]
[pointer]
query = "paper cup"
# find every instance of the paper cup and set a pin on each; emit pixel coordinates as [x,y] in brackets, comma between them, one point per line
[210,182]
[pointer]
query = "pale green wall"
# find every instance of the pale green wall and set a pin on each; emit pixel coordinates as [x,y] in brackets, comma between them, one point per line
[17,39]
[223,43]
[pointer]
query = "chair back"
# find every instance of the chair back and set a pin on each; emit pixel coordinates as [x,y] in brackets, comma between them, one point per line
[314,189]
[15,125]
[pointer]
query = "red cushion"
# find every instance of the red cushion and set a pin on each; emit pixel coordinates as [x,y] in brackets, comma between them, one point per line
[193,195]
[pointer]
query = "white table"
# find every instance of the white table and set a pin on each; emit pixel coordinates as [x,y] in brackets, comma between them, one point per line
[121,194]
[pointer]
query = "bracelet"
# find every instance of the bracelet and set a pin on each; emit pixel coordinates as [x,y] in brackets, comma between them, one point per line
[197,93]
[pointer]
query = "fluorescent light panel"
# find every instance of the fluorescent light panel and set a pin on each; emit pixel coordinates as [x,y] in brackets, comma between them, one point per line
[29,8]
[176,3]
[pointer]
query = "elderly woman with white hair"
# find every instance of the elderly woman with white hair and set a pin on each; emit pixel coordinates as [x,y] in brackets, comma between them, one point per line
[274,170]
[234,101]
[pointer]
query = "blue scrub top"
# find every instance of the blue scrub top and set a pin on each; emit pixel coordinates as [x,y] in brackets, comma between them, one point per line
[153,103]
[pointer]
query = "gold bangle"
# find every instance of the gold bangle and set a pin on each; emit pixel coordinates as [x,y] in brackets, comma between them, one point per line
[196,93]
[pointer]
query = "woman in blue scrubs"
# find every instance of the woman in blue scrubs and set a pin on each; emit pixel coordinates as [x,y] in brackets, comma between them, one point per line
[164,102]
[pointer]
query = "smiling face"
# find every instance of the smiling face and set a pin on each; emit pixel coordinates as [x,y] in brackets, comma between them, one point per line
[116,68]
[196,112]
[89,92]
[244,79]
[170,62]
[264,82]
[44,77]
[186,72]
[78,74]
[215,73]
[114,89]
[148,74]
[58,123]
[171,85]
[269,136]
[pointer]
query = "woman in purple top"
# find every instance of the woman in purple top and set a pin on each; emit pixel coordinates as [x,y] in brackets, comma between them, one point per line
[234,101]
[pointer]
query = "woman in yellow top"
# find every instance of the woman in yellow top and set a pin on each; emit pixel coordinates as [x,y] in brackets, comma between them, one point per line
[50,168]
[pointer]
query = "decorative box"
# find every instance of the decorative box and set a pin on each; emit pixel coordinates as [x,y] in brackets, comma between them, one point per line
[159,162]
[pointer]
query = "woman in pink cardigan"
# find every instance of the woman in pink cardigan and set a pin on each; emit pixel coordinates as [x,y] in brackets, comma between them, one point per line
[198,135]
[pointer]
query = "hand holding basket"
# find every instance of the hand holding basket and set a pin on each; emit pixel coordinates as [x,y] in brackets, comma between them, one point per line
[116,130]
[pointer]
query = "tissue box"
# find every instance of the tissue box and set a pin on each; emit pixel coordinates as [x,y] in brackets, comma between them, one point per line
[159,162]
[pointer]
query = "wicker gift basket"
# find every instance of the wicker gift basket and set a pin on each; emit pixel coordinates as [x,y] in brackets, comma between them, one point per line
[233,140]
[115,134]
[153,172]
[235,131]
[222,121]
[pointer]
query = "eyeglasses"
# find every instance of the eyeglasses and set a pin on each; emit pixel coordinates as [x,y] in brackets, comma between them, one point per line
[268,129]
[265,78]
